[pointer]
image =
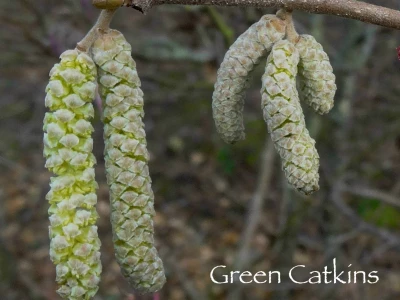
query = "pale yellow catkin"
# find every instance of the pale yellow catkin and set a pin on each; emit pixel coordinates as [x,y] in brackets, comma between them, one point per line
[126,159]
[75,246]
[285,119]
[234,74]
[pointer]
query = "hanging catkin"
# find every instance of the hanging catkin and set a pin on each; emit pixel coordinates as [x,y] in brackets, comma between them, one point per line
[316,79]
[285,119]
[126,159]
[233,75]
[68,147]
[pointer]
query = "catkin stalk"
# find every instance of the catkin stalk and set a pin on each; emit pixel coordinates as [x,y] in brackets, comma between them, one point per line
[234,74]
[316,79]
[126,159]
[285,119]
[68,147]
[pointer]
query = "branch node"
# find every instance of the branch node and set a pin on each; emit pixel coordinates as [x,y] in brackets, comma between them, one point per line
[287,16]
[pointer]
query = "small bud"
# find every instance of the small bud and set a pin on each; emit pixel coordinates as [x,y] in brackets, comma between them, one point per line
[107,4]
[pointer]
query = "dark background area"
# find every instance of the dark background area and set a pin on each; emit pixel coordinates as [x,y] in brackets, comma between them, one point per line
[207,192]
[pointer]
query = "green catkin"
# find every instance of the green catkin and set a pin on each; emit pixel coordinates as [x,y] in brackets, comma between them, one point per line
[316,79]
[285,119]
[75,245]
[234,74]
[126,158]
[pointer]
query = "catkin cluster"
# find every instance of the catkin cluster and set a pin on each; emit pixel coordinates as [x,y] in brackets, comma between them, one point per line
[68,150]
[291,62]
[126,159]
[68,143]
[68,147]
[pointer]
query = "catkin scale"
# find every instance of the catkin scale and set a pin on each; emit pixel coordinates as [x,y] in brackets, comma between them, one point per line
[316,79]
[126,161]
[284,117]
[234,74]
[68,147]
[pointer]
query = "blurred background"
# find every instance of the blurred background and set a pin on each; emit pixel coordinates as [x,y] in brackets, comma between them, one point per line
[216,204]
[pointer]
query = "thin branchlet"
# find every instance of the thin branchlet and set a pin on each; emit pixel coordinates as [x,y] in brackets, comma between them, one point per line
[357,10]
[102,24]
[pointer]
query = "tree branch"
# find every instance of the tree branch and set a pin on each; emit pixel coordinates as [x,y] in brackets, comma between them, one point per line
[255,208]
[371,193]
[350,9]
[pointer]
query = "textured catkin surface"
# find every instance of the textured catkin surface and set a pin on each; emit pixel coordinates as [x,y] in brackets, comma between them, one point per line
[126,158]
[316,78]
[233,75]
[68,147]
[285,119]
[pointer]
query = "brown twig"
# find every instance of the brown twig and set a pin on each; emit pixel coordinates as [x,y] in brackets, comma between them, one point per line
[376,194]
[351,9]
[389,237]
[255,208]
